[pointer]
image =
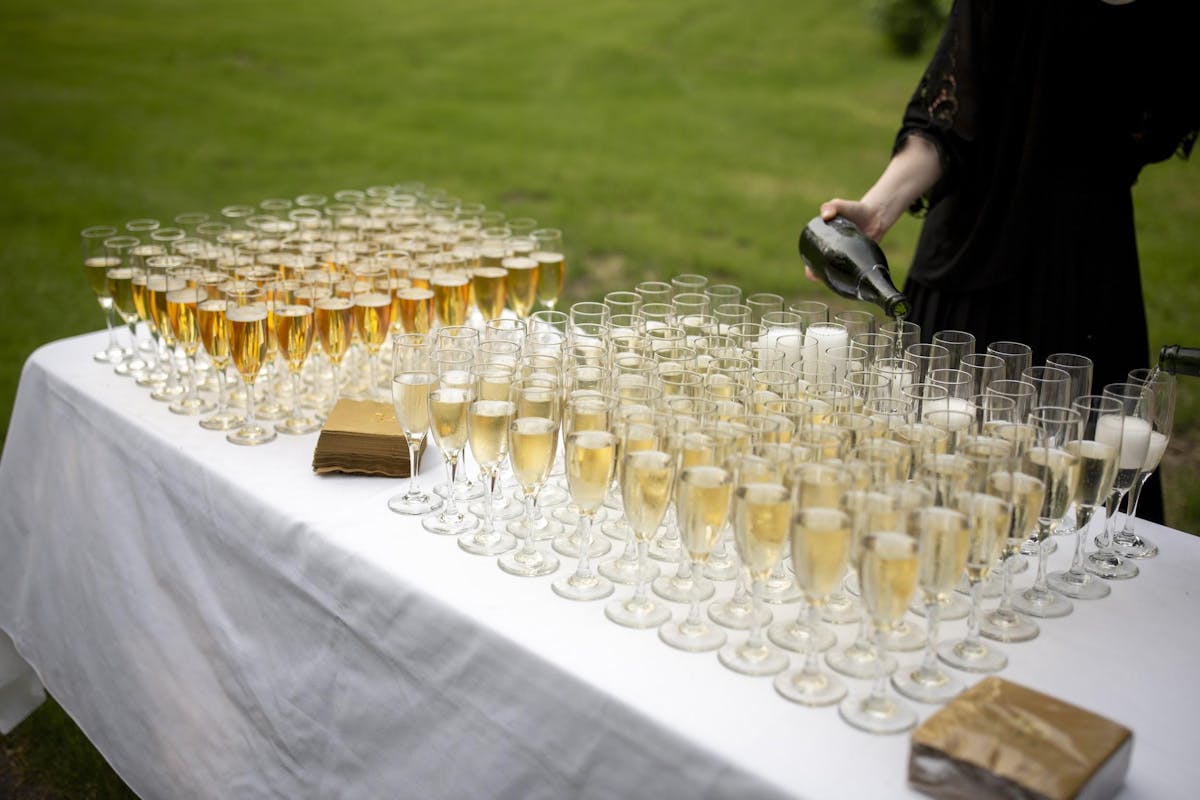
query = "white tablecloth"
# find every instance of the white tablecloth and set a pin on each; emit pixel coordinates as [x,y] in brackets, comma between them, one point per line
[223,623]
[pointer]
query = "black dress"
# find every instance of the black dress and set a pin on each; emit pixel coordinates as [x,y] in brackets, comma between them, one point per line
[1044,113]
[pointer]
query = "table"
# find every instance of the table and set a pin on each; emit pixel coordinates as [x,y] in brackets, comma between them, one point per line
[223,623]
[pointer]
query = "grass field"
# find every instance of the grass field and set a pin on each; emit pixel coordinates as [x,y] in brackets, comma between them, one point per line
[662,137]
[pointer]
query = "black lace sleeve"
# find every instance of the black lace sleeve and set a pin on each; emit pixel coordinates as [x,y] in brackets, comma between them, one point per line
[945,106]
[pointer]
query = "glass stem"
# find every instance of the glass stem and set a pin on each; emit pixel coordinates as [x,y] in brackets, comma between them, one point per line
[932,613]
[412,465]
[1134,495]
[489,521]
[639,593]
[584,568]
[1111,504]
[1039,583]
[1083,515]
[250,422]
[296,395]
[755,641]
[222,392]
[451,508]
[193,391]
[878,695]
[372,387]
[109,314]
[527,546]
[693,618]
[972,639]
[1004,609]
[812,664]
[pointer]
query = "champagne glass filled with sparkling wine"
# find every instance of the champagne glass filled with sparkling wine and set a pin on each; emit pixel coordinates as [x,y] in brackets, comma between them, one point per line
[532,443]
[761,517]
[246,313]
[590,458]
[821,539]
[184,294]
[1127,542]
[449,402]
[1131,434]
[96,262]
[488,419]
[372,312]
[413,378]
[294,331]
[888,573]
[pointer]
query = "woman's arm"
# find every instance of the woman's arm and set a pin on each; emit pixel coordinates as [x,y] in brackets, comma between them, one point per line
[911,173]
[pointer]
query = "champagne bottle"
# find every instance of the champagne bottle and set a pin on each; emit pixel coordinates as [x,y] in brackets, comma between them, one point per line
[850,263]
[1178,360]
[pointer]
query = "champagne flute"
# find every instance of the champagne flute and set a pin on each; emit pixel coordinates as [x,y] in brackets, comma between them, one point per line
[1099,452]
[1017,357]
[246,313]
[490,287]
[372,314]
[1134,444]
[761,517]
[591,458]
[413,378]
[647,477]
[157,285]
[548,253]
[488,419]
[523,280]
[214,336]
[119,276]
[96,262]
[821,540]
[942,542]
[1026,494]
[888,574]
[702,506]
[294,331]
[449,401]
[1127,542]
[988,518]
[532,442]
[334,316]
[1058,470]
[183,299]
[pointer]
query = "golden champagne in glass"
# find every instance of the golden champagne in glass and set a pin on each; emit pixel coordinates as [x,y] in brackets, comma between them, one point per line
[523,276]
[416,309]
[490,285]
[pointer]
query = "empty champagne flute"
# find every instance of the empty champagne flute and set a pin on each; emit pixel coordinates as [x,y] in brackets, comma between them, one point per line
[888,571]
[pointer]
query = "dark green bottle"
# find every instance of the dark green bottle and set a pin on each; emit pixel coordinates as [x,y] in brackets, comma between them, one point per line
[851,263]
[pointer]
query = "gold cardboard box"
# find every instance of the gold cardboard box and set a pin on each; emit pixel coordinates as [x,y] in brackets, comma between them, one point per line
[1003,740]
[362,437]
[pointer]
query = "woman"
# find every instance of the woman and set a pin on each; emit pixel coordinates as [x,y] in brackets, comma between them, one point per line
[1021,145]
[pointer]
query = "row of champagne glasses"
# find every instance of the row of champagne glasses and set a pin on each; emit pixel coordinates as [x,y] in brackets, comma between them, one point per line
[758,491]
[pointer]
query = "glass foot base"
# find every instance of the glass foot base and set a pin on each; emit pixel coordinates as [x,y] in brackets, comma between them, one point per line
[971,658]
[1135,547]
[479,543]
[810,688]
[528,565]
[720,569]
[414,504]
[759,661]
[842,609]
[191,406]
[738,616]
[167,394]
[933,686]
[1042,604]
[297,426]
[699,637]
[1011,627]
[445,524]
[634,613]
[883,715]
[583,588]
[222,422]
[680,590]
[625,571]
[1111,567]
[904,638]
[250,435]
[796,636]
[1078,586]
[543,529]
[955,607]
[571,547]
[779,592]
[858,661]
[501,512]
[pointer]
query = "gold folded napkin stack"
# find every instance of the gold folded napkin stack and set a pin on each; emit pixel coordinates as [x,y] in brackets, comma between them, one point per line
[362,437]
[1002,740]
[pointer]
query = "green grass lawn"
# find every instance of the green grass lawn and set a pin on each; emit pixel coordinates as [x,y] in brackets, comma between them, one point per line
[662,137]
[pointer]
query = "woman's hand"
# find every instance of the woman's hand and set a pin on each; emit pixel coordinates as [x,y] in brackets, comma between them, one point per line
[868,218]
